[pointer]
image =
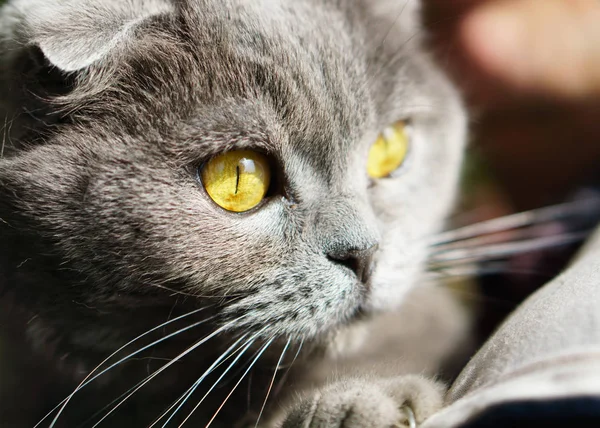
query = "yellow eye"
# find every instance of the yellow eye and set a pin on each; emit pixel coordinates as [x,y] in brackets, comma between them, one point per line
[389,151]
[237,180]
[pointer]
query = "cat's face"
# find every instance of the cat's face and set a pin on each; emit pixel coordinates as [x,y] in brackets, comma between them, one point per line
[107,206]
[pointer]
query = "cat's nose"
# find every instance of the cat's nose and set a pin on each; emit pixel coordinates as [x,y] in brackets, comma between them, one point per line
[359,260]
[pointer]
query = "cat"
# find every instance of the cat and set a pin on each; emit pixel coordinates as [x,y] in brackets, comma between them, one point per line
[119,118]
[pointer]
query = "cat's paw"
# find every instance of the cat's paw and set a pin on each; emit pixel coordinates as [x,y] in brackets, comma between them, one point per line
[401,402]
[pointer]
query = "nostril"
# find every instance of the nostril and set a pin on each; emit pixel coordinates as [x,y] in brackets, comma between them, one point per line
[357,260]
[348,261]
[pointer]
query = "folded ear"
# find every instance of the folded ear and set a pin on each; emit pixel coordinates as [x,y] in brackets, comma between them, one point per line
[43,46]
[74,34]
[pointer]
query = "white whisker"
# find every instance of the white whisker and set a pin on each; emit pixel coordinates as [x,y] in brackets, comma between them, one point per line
[129,357]
[166,366]
[87,379]
[272,381]
[461,272]
[186,395]
[135,386]
[4,134]
[481,240]
[242,352]
[464,271]
[513,221]
[490,252]
[289,367]
[263,349]
[183,293]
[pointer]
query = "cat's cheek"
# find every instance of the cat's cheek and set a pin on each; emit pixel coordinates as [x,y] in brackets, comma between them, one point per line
[392,282]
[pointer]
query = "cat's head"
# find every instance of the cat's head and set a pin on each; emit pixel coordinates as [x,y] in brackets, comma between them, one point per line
[122,108]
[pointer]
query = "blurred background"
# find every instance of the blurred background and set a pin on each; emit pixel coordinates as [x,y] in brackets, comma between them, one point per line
[530,74]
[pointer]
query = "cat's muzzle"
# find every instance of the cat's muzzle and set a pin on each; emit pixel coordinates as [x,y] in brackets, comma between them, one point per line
[360,261]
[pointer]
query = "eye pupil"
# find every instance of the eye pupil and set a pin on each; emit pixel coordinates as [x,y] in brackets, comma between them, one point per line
[388,152]
[237,180]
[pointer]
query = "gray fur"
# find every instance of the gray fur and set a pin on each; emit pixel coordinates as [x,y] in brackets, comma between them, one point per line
[98,190]
[370,402]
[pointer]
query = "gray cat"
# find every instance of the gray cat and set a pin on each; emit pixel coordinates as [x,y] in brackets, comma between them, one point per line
[260,178]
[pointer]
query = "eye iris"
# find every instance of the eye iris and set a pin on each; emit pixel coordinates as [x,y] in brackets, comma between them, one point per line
[237,180]
[388,152]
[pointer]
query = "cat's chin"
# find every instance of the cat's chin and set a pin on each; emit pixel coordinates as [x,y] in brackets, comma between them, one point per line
[349,336]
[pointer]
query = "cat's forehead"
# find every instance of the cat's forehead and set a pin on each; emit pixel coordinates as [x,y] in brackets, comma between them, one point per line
[302,63]
[309,75]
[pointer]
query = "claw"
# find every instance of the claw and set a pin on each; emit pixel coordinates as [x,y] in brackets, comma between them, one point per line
[410,420]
